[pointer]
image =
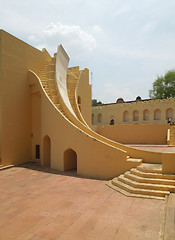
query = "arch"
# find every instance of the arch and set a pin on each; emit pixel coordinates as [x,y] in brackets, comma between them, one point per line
[79,100]
[169,113]
[157,114]
[125,116]
[70,160]
[136,115]
[46,151]
[99,117]
[146,115]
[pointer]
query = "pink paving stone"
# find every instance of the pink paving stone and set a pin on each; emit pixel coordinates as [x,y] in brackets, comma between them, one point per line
[155,148]
[39,203]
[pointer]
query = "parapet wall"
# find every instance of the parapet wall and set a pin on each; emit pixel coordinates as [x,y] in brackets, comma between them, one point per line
[139,134]
[136,112]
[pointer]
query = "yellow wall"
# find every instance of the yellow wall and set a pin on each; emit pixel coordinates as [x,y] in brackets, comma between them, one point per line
[141,133]
[116,111]
[94,159]
[168,163]
[84,92]
[35,122]
[0,92]
[17,57]
[30,116]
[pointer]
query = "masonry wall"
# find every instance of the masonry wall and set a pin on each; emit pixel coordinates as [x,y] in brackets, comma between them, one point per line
[84,92]
[136,112]
[0,92]
[17,57]
[135,134]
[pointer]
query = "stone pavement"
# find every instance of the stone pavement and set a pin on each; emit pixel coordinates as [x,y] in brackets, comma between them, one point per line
[39,203]
[155,148]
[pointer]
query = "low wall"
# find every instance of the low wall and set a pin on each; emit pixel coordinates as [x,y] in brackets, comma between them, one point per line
[140,133]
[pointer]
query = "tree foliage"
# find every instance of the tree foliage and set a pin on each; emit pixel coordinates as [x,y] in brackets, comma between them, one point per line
[94,102]
[163,86]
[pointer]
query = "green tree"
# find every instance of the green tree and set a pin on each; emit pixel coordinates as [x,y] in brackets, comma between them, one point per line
[94,102]
[163,86]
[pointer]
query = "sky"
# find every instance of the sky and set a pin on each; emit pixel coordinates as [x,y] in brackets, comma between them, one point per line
[125,44]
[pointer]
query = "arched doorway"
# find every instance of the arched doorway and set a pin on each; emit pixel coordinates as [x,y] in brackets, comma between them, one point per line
[70,160]
[112,122]
[136,115]
[46,151]
[99,118]
[145,115]
[169,113]
[125,116]
[157,114]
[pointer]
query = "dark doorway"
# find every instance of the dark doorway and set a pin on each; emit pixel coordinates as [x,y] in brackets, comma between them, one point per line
[70,160]
[112,122]
[37,151]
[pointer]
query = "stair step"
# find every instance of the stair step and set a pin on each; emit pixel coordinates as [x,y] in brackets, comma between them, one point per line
[56,99]
[52,86]
[134,190]
[148,180]
[128,194]
[150,168]
[152,175]
[151,186]
[51,67]
[58,105]
[134,160]
[53,92]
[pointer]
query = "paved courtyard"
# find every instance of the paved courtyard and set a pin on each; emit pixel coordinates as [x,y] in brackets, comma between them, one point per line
[38,203]
[155,148]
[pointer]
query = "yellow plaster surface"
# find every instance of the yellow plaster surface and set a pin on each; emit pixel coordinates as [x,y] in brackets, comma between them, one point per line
[44,103]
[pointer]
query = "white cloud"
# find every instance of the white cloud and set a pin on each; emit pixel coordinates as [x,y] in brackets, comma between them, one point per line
[97,28]
[76,41]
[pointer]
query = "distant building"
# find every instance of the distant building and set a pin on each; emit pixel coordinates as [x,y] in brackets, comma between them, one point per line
[140,111]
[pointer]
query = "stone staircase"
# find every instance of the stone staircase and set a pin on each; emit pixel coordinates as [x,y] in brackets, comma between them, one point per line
[71,85]
[47,77]
[48,80]
[146,181]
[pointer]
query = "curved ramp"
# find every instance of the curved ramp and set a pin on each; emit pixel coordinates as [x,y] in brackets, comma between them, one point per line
[97,156]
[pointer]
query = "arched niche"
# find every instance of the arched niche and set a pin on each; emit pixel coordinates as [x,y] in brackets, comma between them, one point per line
[125,116]
[70,160]
[99,117]
[136,115]
[157,114]
[169,113]
[146,115]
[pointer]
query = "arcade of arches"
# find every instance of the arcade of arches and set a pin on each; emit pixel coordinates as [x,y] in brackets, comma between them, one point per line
[141,112]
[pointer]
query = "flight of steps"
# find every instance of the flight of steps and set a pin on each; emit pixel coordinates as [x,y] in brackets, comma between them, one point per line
[48,80]
[47,77]
[71,85]
[145,181]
